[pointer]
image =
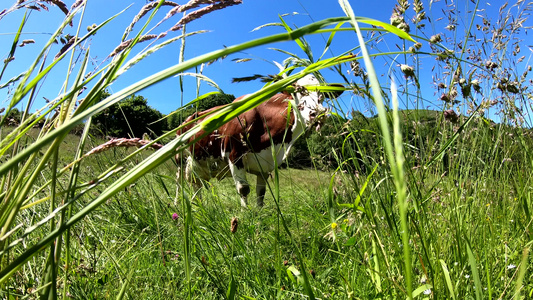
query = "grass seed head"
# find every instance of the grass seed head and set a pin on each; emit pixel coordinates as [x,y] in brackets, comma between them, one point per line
[418,7]
[234,224]
[202,11]
[65,47]
[451,115]
[61,5]
[475,85]
[91,27]
[146,9]
[26,42]
[125,44]
[415,47]
[435,38]
[491,65]
[408,71]
[122,142]
[76,4]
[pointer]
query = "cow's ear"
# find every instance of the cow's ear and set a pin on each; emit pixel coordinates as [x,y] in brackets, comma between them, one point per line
[334,94]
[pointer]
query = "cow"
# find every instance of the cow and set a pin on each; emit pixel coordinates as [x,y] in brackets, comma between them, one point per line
[244,144]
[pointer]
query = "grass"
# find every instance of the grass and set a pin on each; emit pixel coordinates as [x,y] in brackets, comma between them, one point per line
[134,235]
[135,232]
[443,209]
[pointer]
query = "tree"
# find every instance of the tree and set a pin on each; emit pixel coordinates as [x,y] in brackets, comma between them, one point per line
[177,117]
[131,117]
[333,144]
[13,117]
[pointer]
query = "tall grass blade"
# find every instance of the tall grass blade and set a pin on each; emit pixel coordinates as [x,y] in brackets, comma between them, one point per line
[421,289]
[330,39]
[524,263]
[232,289]
[11,54]
[395,161]
[307,285]
[126,283]
[447,278]
[473,267]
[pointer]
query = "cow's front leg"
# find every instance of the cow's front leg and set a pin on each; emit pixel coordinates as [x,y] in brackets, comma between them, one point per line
[260,189]
[239,177]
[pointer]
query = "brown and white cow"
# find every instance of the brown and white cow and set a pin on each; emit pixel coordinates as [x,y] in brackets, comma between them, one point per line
[244,144]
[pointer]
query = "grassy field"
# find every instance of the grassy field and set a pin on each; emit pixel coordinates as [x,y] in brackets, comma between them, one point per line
[466,231]
[442,209]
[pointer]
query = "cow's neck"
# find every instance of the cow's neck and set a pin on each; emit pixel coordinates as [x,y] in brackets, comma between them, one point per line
[309,108]
[304,108]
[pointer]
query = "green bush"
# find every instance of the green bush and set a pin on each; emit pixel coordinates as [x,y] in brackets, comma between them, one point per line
[177,117]
[131,117]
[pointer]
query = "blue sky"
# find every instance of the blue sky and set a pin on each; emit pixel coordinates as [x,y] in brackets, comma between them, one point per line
[229,26]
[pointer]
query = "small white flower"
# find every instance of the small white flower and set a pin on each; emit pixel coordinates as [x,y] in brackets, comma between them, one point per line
[510,267]
[423,279]
[467,276]
[427,292]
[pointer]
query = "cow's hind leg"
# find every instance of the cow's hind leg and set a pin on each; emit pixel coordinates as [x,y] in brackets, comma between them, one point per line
[260,188]
[239,177]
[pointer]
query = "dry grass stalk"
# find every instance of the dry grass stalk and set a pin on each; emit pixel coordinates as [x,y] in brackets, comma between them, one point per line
[171,13]
[70,42]
[213,5]
[26,42]
[76,4]
[192,4]
[37,5]
[43,6]
[122,142]
[125,44]
[202,11]
[33,7]
[146,9]
[60,4]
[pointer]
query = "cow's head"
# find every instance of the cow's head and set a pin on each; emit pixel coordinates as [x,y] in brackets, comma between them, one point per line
[310,102]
